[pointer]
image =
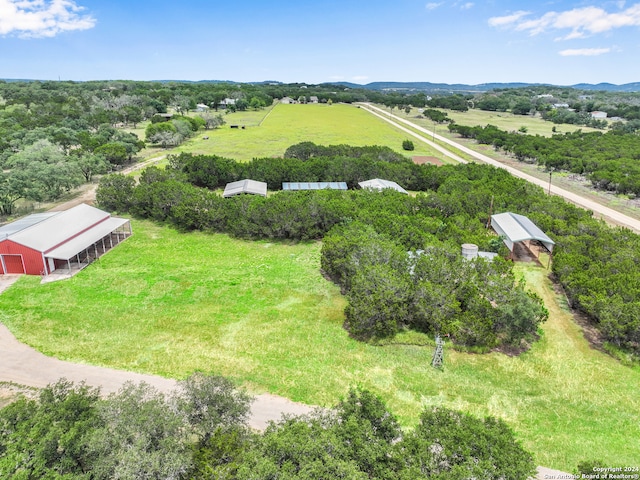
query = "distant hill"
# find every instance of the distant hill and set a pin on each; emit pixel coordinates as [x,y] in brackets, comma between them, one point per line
[427,87]
[483,87]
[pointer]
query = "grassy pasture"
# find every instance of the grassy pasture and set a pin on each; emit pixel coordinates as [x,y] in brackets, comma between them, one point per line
[286,125]
[261,313]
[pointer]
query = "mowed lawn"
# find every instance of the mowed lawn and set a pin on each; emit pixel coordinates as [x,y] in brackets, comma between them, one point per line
[261,313]
[286,125]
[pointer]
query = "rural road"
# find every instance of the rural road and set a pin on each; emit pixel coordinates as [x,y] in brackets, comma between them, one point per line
[607,213]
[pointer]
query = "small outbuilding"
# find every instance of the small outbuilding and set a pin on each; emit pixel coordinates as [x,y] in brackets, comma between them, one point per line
[518,229]
[41,243]
[251,187]
[380,184]
[294,186]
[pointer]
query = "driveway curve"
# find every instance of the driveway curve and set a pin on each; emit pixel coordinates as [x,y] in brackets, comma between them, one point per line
[23,365]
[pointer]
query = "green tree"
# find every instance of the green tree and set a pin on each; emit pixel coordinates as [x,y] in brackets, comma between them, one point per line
[10,193]
[114,152]
[91,164]
[44,438]
[408,145]
[138,436]
[256,103]
[115,192]
[452,445]
[212,403]
[378,302]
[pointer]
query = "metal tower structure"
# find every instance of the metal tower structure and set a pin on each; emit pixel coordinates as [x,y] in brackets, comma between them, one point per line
[438,356]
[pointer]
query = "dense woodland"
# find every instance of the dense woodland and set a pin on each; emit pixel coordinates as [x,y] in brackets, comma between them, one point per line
[200,431]
[373,239]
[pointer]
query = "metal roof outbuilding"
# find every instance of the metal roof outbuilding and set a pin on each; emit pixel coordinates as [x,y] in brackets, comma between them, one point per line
[380,184]
[292,186]
[515,228]
[252,187]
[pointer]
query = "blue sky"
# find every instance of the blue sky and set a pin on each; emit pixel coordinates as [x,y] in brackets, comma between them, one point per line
[559,42]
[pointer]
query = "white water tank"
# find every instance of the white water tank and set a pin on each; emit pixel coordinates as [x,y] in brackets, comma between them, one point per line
[469,251]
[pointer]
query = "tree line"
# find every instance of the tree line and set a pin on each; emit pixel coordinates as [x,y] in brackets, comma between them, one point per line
[200,430]
[609,160]
[453,209]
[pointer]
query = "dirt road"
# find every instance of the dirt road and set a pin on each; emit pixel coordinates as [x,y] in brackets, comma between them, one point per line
[23,365]
[606,213]
[88,193]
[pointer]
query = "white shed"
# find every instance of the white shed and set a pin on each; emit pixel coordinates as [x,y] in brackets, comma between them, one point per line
[380,184]
[252,187]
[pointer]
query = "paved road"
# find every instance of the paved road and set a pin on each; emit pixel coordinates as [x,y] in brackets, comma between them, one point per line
[607,213]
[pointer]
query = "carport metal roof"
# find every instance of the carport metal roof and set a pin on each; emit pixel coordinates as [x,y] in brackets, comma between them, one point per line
[86,239]
[380,184]
[517,228]
[314,185]
[245,186]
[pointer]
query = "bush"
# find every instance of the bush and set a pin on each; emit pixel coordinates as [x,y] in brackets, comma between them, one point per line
[408,145]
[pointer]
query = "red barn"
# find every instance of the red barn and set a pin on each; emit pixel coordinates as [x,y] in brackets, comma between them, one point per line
[43,242]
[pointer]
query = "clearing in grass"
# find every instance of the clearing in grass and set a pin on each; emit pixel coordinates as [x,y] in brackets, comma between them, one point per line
[261,313]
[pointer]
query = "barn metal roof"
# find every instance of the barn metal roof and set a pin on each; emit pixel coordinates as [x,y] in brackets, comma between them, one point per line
[26,222]
[57,229]
[245,186]
[380,184]
[86,239]
[314,185]
[518,228]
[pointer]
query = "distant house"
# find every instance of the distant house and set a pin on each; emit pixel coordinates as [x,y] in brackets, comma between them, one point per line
[560,105]
[599,115]
[201,107]
[287,100]
[227,102]
[313,99]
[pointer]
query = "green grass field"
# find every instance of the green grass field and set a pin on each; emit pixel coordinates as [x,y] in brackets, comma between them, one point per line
[286,125]
[262,314]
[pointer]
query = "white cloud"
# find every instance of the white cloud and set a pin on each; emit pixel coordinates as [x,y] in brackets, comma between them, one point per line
[42,18]
[466,6]
[584,52]
[581,22]
[507,19]
[432,5]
